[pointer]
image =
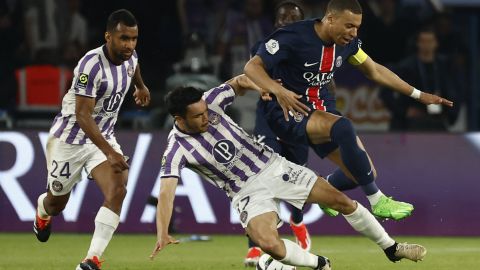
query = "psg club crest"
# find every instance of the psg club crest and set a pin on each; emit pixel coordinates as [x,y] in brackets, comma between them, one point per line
[214,119]
[339,61]
[298,117]
[130,71]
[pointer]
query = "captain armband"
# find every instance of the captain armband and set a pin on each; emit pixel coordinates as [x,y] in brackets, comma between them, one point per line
[358,58]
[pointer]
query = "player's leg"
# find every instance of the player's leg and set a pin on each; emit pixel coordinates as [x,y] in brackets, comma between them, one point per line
[299,228]
[47,206]
[263,134]
[263,230]
[64,171]
[352,159]
[113,187]
[382,206]
[298,154]
[253,254]
[323,127]
[363,221]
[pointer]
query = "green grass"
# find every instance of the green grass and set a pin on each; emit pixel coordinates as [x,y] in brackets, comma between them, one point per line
[63,251]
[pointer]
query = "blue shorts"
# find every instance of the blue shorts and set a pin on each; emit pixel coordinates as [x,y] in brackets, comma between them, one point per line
[294,152]
[294,131]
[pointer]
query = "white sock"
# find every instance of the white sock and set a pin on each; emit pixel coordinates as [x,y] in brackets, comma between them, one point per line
[374,198]
[297,256]
[42,213]
[106,222]
[365,223]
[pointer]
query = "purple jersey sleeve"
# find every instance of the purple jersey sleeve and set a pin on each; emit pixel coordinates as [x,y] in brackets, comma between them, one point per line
[173,160]
[277,47]
[221,96]
[87,75]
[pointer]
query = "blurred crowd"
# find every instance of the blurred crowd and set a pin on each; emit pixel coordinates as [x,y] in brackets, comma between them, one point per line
[205,42]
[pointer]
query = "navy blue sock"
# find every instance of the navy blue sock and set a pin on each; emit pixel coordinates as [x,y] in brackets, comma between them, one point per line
[354,158]
[340,181]
[251,243]
[296,215]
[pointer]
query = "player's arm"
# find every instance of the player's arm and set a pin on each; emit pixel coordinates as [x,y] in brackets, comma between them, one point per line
[241,84]
[164,214]
[385,77]
[288,100]
[83,111]
[141,94]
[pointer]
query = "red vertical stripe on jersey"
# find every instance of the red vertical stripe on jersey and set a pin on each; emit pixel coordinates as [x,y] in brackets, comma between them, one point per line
[313,96]
[327,59]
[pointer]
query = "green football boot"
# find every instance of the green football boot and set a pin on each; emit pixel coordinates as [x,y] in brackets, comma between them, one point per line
[329,211]
[386,207]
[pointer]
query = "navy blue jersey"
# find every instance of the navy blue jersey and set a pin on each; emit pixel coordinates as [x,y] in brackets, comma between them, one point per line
[296,55]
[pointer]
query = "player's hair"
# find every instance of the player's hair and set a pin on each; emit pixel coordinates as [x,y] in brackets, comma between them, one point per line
[290,4]
[178,99]
[341,5]
[122,16]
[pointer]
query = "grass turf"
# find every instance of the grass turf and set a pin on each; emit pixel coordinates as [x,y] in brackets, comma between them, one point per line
[63,251]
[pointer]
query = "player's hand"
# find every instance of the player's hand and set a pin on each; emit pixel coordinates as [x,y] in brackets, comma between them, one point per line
[142,96]
[289,101]
[117,161]
[428,99]
[161,244]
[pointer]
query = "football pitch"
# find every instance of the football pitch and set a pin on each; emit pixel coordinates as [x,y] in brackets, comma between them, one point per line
[63,251]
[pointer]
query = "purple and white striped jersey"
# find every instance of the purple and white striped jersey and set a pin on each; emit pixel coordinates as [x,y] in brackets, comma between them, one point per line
[225,155]
[95,76]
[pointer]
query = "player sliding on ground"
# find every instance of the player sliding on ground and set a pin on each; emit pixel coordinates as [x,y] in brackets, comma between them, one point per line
[254,178]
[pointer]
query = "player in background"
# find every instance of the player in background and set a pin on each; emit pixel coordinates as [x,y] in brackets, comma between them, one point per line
[305,55]
[286,12]
[253,176]
[82,134]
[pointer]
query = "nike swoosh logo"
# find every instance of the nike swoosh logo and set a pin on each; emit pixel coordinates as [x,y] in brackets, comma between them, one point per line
[310,64]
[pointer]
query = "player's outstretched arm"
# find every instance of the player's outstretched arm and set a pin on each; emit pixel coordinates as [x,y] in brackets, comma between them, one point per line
[164,214]
[242,83]
[288,100]
[386,77]
[141,94]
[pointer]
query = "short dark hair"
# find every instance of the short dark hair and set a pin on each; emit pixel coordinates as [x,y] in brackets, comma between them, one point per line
[178,99]
[291,4]
[122,16]
[341,5]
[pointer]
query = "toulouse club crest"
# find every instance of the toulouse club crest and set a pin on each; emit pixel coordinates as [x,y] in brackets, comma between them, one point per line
[130,71]
[214,118]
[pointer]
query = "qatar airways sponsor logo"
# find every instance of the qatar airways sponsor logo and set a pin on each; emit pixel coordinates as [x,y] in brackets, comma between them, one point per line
[318,79]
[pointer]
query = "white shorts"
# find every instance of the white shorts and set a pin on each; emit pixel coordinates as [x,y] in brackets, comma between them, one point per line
[66,161]
[282,180]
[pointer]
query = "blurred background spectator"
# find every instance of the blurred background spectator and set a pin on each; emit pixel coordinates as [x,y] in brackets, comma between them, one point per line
[431,72]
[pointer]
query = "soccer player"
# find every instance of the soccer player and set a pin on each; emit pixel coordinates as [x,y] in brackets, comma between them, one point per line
[82,136]
[254,177]
[305,55]
[286,12]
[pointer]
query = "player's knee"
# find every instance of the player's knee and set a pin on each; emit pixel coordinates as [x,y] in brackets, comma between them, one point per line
[342,128]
